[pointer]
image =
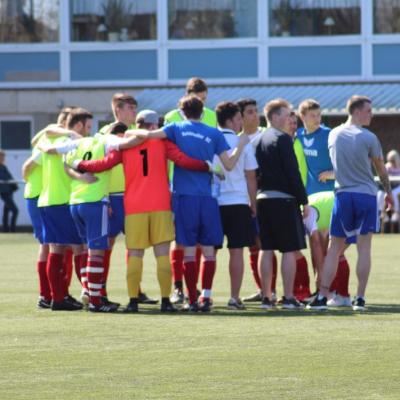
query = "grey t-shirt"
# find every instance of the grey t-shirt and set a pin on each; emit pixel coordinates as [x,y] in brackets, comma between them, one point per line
[351,148]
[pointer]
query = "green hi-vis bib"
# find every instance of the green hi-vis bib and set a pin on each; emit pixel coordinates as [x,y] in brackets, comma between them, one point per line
[209,117]
[323,202]
[56,184]
[301,160]
[117,178]
[90,148]
[33,184]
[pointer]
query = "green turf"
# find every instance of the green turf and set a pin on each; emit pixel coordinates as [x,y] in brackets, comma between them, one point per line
[224,355]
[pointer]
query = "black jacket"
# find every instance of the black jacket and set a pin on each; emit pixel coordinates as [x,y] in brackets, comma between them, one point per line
[278,167]
[5,175]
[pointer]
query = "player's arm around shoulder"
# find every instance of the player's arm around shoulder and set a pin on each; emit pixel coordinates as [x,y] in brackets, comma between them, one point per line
[229,160]
[134,137]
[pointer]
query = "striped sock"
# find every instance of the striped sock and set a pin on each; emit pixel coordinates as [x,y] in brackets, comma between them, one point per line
[94,271]
[107,257]
[83,270]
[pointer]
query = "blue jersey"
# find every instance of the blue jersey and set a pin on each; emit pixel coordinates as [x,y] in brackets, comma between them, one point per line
[315,146]
[199,141]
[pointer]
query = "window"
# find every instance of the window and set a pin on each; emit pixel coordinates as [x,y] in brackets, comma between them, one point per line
[15,135]
[26,21]
[210,19]
[387,16]
[113,20]
[314,17]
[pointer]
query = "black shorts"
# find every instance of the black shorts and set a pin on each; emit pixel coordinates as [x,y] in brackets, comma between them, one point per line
[237,225]
[281,225]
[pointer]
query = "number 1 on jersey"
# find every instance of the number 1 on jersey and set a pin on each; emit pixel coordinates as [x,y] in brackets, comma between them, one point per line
[143,153]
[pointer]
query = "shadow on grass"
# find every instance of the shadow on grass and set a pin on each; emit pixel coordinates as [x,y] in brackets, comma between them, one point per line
[254,311]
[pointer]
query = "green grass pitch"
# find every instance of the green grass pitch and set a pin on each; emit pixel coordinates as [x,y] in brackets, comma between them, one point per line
[224,355]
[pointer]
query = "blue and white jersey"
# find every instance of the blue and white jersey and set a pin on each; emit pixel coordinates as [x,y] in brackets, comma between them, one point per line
[315,146]
[199,141]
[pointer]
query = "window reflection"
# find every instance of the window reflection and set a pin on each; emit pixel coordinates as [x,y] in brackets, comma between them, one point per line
[201,19]
[26,21]
[113,20]
[387,16]
[314,17]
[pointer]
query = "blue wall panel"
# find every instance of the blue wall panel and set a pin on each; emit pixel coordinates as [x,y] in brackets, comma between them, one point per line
[315,61]
[386,59]
[213,63]
[28,67]
[113,65]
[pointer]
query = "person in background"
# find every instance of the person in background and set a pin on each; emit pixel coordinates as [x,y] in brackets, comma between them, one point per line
[393,168]
[7,189]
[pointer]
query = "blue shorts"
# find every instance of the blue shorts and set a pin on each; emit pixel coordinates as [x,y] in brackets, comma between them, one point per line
[354,214]
[91,220]
[36,218]
[117,217]
[197,220]
[59,227]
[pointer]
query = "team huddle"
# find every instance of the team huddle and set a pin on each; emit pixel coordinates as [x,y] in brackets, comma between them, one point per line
[204,175]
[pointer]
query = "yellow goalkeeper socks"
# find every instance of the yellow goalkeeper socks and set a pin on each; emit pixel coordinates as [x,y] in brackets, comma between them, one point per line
[164,275]
[134,275]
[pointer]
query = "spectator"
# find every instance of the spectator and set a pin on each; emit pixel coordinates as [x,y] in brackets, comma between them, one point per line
[6,194]
[393,168]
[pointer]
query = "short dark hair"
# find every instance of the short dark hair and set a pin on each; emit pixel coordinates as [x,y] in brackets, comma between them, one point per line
[116,128]
[274,107]
[196,85]
[243,103]
[63,114]
[226,110]
[78,115]
[120,99]
[356,102]
[191,106]
[308,105]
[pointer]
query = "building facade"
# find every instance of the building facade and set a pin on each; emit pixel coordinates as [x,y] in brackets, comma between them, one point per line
[79,52]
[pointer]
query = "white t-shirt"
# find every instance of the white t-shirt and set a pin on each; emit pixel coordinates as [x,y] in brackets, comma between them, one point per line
[254,136]
[234,186]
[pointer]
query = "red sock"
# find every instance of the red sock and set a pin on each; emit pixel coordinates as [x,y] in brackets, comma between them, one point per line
[342,277]
[301,288]
[95,272]
[208,268]
[334,284]
[176,257]
[198,262]
[274,272]
[189,271]
[44,284]
[68,267]
[55,274]
[254,251]
[83,271]
[78,266]
[107,257]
